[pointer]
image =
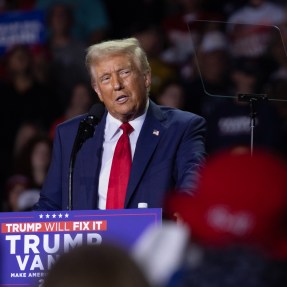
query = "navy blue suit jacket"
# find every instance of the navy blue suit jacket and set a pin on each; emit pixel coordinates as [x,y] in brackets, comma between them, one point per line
[169,151]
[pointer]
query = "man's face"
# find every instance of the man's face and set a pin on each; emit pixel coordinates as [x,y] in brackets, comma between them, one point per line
[121,86]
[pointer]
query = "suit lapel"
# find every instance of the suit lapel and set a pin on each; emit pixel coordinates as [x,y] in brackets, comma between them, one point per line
[149,137]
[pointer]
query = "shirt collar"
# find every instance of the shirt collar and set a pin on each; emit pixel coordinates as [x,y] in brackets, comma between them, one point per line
[113,124]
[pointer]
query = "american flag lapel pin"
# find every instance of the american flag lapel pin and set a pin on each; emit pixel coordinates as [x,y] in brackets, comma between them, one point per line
[155,132]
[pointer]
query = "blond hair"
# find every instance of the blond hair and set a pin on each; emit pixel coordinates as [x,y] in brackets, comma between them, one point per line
[129,46]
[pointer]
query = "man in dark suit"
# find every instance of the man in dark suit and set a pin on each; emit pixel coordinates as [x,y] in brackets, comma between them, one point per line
[167,145]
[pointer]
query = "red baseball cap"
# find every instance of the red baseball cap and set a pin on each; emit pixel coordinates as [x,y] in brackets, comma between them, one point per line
[240,199]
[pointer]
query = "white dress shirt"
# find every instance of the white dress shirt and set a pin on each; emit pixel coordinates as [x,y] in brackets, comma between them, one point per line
[111,136]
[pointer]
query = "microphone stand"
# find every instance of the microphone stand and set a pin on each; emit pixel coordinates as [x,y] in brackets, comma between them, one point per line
[85,131]
[70,180]
[252,99]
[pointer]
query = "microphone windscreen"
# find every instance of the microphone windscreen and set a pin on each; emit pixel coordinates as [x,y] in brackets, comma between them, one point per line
[96,112]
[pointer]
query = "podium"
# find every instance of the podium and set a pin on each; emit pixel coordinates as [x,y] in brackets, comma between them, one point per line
[30,242]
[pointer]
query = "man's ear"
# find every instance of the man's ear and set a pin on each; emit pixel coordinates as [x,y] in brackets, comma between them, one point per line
[95,88]
[147,80]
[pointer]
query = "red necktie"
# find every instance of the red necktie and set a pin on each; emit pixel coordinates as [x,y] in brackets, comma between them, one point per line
[120,170]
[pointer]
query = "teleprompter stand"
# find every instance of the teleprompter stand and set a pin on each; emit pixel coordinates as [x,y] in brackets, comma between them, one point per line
[252,99]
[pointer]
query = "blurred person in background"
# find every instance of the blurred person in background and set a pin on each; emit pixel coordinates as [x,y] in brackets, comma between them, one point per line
[172,94]
[91,22]
[67,63]
[26,131]
[153,41]
[103,265]
[34,159]
[175,26]
[277,90]
[35,101]
[30,166]
[15,185]
[237,222]
[229,122]
[250,27]
[80,102]
[209,73]
[11,149]
[183,31]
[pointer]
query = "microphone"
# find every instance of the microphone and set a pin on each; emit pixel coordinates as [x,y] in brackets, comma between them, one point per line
[85,131]
[87,126]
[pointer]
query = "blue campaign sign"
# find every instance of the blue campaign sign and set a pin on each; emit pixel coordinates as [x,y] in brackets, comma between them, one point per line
[30,242]
[21,27]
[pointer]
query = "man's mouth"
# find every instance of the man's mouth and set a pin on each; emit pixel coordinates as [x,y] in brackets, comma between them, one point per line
[121,99]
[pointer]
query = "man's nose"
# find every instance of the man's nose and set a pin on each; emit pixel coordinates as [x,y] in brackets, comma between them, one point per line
[117,83]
